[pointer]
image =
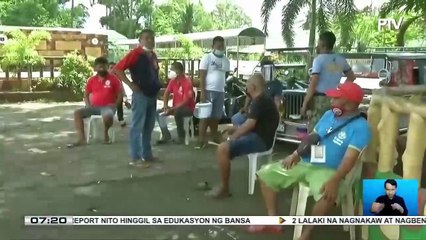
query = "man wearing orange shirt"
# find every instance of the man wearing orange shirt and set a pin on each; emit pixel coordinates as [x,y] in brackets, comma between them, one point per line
[183,103]
[102,94]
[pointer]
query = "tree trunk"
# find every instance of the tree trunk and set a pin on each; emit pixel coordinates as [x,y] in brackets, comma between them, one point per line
[312,31]
[30,78]
[402,30]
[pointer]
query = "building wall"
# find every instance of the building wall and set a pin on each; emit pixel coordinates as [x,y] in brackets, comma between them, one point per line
[63,42]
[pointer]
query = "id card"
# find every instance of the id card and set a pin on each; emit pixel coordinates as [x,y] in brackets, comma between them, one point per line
[317,154]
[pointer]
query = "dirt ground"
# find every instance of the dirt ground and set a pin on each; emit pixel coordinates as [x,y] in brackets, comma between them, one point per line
[39,176]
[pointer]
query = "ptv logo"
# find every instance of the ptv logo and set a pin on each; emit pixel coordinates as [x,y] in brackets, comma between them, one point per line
[389,24]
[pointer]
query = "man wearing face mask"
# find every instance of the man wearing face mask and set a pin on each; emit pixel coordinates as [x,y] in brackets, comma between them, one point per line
[256,134]
[327,69]
[142,63]
[183,103]
[214,69]
[338,139]
[102,94]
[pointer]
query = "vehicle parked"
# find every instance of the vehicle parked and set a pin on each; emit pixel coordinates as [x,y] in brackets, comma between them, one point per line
[373,70]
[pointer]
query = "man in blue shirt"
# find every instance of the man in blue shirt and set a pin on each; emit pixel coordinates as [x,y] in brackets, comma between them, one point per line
[340,149]
[327,69]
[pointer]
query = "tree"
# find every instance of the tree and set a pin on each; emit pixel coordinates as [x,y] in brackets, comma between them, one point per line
[416,10]
[41,13]
[227,15]
[128,17]
[19,52]
[322,12]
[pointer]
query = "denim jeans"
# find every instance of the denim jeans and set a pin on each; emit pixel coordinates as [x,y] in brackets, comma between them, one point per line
[144,110]
[238,119]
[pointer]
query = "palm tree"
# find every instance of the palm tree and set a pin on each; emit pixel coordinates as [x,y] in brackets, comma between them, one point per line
[321,14]
[415,7]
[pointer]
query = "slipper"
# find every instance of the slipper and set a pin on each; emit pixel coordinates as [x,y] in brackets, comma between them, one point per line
[256,229]
[200,146]
[139,164]
[216,194]
[203,186]
[107,142]
[77,144]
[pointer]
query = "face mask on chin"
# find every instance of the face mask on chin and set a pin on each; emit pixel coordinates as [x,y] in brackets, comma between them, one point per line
[147,49]
[172,75]
[218,53]
[337,110]
[103,73]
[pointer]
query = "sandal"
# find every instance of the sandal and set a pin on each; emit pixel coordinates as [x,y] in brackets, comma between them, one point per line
[77,144]
[200,146]
[216,193]
[203,186]
[256,229]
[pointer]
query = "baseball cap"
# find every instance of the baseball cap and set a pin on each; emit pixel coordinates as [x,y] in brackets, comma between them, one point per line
[349,91]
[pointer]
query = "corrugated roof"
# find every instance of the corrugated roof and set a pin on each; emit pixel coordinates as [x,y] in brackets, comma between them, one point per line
[206,37]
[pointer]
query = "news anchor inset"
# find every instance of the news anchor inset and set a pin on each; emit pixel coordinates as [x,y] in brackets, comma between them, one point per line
[390,204]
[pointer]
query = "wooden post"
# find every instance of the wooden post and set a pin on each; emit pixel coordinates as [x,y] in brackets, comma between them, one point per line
[416,142]
[388,131]
[374,115]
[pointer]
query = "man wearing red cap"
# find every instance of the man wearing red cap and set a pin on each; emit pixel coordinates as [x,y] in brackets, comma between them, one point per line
[333,149]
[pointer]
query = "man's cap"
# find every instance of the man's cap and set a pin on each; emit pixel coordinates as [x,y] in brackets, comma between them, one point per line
[349,91]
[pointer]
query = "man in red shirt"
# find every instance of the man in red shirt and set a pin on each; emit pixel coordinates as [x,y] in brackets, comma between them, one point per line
[142,64]
[102,94]
[183,103]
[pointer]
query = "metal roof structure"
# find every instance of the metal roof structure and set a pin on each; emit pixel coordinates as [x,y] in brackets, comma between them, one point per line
[233,37]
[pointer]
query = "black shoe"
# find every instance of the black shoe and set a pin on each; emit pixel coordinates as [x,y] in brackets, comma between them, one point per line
[163,141]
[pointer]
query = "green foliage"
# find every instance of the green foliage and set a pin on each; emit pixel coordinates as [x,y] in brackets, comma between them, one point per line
[20,50]
[183,16]
[188,50]
[125,16]
[366,32]
[45,84]
[41,13]
[75,71]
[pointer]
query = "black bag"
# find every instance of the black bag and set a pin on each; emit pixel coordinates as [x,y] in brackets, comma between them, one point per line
[304,148]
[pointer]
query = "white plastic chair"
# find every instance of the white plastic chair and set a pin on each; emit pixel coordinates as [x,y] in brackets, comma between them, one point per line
[91,127]
[302,192]
[253,165]
[188,125]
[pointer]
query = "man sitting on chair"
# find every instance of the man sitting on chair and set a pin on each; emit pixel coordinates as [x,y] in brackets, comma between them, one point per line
[102,94]
[323,159]
[183,103]
[256,134]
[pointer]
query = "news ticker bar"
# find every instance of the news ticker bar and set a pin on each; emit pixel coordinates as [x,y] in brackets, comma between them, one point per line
[220,220]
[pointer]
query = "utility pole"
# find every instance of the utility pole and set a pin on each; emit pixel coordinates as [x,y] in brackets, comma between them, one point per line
[72,13]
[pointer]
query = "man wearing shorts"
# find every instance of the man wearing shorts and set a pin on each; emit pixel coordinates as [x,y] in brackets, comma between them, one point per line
[255,135]
[214,68]
[341,150]
[327,69]
[102,94]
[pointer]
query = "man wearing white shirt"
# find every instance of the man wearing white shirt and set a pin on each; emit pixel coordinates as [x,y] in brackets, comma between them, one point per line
[214,69]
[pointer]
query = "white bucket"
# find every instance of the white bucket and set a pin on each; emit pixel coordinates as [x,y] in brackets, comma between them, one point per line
[203,110]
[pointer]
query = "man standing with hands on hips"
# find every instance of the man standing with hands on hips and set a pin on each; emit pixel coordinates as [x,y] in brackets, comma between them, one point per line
[327,69]
[214,69]
[142,63]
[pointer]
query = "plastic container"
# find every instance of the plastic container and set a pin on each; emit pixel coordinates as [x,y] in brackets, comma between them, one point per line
[203,110]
